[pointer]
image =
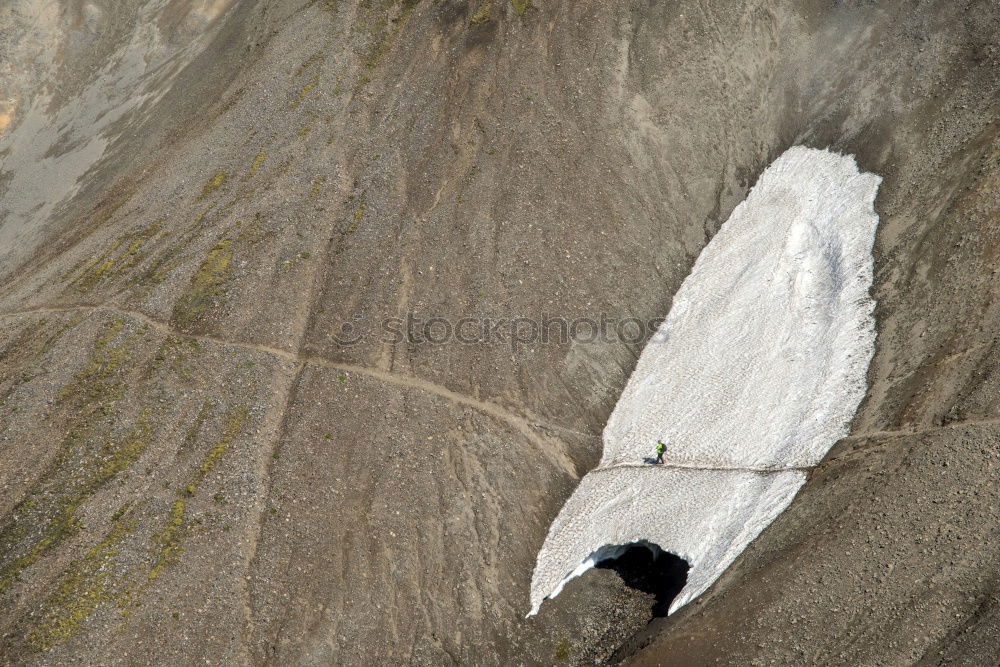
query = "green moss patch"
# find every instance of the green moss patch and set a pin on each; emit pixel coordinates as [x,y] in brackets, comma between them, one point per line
[169,541]
[195,429]
[214,184]
[81,469]
[563,650]
[305,91]
[484,14]
[231,430]
[314,59]
[206,284]
[359,214]
[317,185]
[95,381]
[117,259]
[88,582]
[257,163]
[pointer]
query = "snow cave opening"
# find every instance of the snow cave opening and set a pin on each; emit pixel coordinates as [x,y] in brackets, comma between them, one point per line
[644,566]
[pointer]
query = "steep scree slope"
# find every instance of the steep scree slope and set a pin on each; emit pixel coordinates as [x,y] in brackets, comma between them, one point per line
[196,466]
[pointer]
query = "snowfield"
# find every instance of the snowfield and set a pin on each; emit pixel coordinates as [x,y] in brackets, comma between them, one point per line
[756,372]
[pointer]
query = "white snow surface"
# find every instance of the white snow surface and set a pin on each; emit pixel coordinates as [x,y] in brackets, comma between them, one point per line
[756,372]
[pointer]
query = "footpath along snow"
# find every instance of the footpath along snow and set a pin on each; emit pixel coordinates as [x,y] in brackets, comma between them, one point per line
[756,372]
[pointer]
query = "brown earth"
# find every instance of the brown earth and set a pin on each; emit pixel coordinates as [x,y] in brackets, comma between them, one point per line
[200,463]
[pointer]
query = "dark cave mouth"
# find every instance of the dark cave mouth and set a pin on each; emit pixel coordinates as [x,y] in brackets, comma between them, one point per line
[645,567]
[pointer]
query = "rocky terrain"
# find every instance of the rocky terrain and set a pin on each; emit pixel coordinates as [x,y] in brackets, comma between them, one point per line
[212,450]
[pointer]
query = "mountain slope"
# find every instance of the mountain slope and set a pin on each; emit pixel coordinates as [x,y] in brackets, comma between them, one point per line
[212,449]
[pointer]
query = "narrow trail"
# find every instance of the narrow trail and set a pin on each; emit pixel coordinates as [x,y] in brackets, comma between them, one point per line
[275,422]
[522,424]
[690,466]
[921,431]
[806,469]
[156,324]
[561,458]
[803,469]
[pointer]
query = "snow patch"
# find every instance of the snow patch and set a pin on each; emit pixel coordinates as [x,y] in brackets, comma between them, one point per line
[756,372]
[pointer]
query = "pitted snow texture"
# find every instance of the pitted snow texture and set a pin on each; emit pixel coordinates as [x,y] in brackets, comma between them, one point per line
[759,366]
[762,359]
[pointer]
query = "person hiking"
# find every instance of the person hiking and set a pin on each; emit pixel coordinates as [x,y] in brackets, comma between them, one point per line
[660,448]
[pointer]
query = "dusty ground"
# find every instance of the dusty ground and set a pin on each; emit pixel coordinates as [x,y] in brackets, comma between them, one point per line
[195,466]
